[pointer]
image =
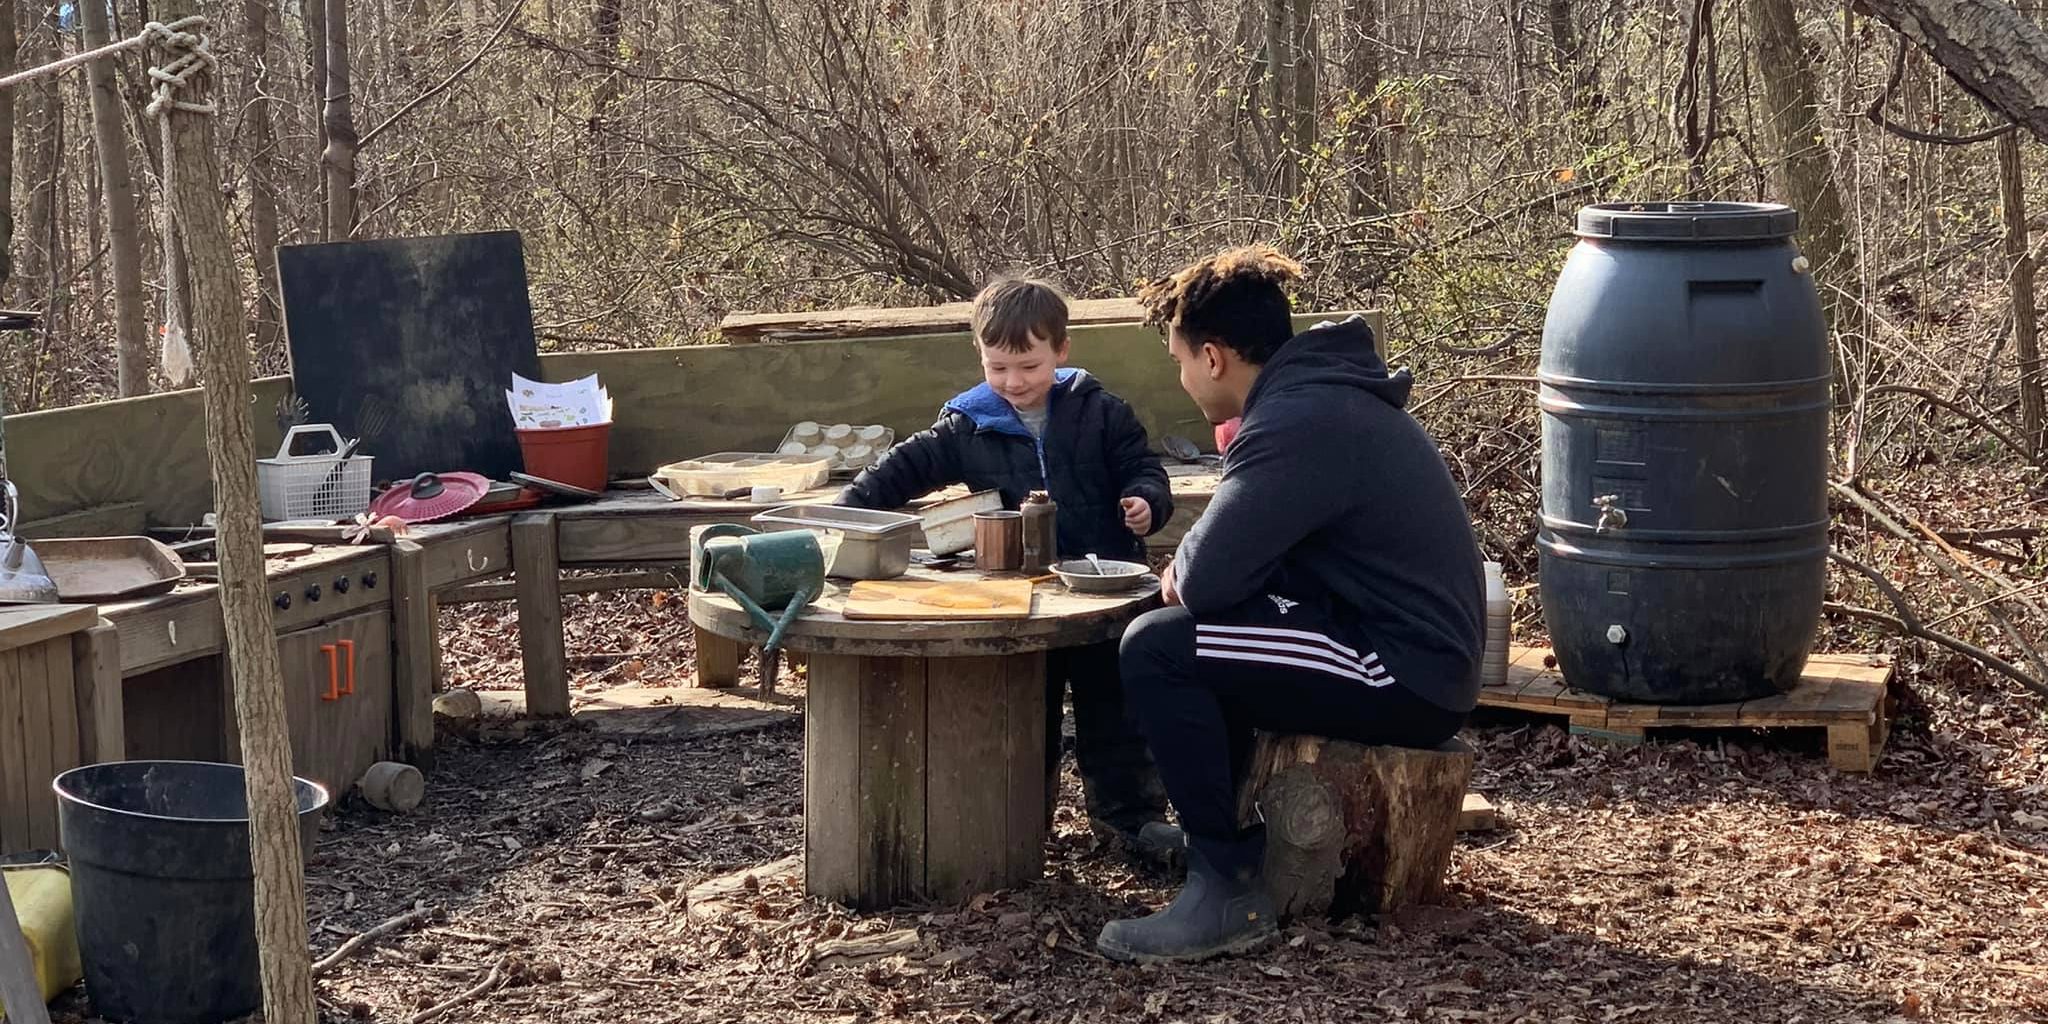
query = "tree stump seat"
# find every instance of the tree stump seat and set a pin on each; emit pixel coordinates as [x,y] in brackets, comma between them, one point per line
[1351,828]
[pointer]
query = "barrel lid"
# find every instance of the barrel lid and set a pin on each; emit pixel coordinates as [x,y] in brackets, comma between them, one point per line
[1688,222]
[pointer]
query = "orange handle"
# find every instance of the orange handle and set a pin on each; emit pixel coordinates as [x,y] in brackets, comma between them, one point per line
[333,674]
[348,647]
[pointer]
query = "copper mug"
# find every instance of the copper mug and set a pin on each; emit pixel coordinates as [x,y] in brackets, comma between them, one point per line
[999,541]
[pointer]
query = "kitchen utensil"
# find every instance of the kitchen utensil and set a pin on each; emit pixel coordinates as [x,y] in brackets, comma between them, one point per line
[783,571]
[294,486]
[501,493]
[291,411]
[764,495]
[850,447]
[348,448]
[1041,532]
[110,568]
[859,543]
[999,541]
[1493,663]
[711,476]
[556,486]
[1183,449]
[1099,576]
[939,599]
[949,525]
[430,496]
[372,416]
[23,578]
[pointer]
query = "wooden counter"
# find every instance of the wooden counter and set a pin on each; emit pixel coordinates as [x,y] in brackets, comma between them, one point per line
[60,707]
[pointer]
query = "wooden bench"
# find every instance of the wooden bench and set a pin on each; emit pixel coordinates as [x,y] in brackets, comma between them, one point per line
[1354,829]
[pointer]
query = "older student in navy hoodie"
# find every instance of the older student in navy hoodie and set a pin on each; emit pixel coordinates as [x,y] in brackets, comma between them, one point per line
[1036,425]
[1333,587]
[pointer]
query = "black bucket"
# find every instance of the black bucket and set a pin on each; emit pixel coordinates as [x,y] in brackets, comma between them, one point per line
[162,887]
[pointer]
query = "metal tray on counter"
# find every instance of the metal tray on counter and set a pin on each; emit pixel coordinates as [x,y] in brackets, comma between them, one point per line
[860,544]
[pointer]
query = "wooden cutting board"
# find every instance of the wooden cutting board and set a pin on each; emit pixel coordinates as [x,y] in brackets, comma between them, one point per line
[939,599]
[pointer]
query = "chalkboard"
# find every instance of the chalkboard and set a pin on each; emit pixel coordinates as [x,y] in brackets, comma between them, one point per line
[416,336]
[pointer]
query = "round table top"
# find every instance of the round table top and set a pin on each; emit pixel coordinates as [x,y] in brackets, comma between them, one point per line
[1059,618]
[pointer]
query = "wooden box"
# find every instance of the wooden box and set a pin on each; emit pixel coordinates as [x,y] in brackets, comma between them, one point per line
[59,708]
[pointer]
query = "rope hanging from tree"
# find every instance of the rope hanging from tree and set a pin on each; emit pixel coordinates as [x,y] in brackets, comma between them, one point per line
[153,30]
[190,54]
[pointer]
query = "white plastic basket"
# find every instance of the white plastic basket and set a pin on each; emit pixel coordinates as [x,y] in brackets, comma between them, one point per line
[307,486]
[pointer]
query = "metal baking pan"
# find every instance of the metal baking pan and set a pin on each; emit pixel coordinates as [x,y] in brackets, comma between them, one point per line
[839,517]
[107,568]
[860,544]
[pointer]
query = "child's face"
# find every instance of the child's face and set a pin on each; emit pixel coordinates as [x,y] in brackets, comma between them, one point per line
[1024,379]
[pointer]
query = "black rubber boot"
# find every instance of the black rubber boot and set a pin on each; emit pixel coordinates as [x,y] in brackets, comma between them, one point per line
[1222,909]
[1153,843]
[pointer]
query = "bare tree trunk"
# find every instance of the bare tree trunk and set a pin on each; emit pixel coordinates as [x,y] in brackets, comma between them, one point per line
[316,73]
[1518,63]
[1792,108]
[2025,325]
[1362,65]
[1582,76]
[339,159]
[37,157]
[8,44]
[261,161]
[95,238]
[1989,47]
[57,304]
[605,26]
[1282,89]
[1305,52]
[124,230]
[1695,102]
[223,354]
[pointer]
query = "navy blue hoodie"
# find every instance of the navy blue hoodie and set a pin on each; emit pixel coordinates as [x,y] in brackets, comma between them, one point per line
[1094,454]
[1332,490]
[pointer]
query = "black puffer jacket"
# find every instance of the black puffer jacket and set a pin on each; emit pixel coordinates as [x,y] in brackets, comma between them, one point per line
[1094,454]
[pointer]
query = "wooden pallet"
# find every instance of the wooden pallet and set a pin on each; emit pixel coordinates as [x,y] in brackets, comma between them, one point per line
[1846,694]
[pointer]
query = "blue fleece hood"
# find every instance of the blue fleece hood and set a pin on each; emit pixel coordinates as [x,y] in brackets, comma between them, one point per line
[991,411]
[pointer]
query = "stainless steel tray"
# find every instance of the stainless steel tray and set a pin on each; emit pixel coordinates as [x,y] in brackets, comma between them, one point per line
[835,517]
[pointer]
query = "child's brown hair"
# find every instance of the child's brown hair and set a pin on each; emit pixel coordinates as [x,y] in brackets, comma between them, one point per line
[1013,310]
[1236,298]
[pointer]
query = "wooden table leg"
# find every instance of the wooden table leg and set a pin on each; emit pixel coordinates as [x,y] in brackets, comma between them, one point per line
[924,779]
[96,682]
[537,571]
[718,659]
[415,637]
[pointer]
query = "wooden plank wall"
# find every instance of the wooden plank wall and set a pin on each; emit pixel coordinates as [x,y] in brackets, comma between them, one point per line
[675,403]
[97,459]
[82,470]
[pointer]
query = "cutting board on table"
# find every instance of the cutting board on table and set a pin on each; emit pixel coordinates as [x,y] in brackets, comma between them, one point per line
[939,599]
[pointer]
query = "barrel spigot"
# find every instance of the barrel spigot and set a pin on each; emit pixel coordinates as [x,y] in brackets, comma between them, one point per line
[1612,515]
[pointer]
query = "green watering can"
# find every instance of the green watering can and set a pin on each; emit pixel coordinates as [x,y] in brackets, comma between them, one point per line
[782,571]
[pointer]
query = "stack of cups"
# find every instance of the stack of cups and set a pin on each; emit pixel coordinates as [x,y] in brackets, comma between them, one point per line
[1493,667]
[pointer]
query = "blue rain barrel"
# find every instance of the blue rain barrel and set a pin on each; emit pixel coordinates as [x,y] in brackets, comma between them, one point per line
[1684,388]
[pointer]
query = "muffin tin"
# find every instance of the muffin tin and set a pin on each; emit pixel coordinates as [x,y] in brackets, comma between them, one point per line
[849,447]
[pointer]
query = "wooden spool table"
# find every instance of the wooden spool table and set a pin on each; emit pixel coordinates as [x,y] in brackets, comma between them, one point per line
[924,741]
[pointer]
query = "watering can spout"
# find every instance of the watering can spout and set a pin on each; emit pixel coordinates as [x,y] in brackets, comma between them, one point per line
[761,572]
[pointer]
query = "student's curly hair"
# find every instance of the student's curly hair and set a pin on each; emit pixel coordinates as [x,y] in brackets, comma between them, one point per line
[1236,298]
